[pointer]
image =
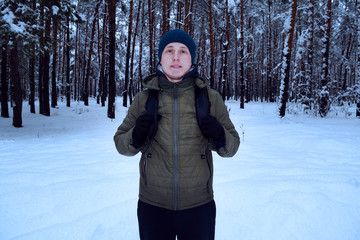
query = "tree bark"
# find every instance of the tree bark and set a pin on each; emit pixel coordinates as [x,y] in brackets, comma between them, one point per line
[112,86]
[68,84]
[151,35]
[286,62]
[225,90]
[46,76]
[270,81]
[165,16]
[358,56]
[4,81]
[53,73]
[41,60]
[76,65]
[212,46]
[324,94]
[309,70]
[16,86]
[32,81]
[128,50]
[131,84]
[242,47]
[32,67]
[102,82]
[89,62]
[141,43]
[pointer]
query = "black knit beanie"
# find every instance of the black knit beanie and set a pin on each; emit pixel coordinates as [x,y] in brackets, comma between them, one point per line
[177,35]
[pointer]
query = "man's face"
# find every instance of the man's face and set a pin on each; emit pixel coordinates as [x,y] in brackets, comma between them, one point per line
[175,61]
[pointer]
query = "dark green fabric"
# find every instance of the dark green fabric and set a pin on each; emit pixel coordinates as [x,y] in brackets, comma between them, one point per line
[176,166]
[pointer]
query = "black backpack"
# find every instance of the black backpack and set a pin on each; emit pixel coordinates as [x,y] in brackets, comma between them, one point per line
[202,105]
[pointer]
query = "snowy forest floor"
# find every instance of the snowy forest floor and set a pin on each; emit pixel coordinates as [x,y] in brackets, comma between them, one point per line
[292,178]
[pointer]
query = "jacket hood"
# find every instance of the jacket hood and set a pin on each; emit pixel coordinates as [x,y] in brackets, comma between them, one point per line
[158,80]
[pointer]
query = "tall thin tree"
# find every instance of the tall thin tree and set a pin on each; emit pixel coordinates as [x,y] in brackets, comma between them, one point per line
[16,85]
[285,75]
[89,61]
[324,102]
[212,46]
[67,49]
[4,80]
[128,50]
[242,65]
[358,56]
[112,86]
[54,63]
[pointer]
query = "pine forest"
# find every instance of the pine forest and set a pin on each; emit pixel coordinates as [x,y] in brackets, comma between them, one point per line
[302,54]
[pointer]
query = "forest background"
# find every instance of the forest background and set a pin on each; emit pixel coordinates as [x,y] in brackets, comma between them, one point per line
[303,54]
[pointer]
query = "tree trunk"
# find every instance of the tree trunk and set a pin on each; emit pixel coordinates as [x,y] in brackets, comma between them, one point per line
[16,86]
[358,56]
[89,61]
[141,43]
[32,67]
[188,15]
[225,90]
[242,47]
[41,60]
[212,46]
[179,14]
[128,50]
[112,86]
[46,76]
[324,94]
[151,35]
[285,76]
[4,81]
[270,84]
[76,65]
[53,73]
[102,82]
[68,88]
[131,87]
[309,69]
[32,81]
[165,16]
[85,88]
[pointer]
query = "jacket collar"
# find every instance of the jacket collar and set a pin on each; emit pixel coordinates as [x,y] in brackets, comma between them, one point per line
[159,81]
[188,79]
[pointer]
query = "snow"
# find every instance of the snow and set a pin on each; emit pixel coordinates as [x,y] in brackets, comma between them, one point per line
[292,178]
[8,17]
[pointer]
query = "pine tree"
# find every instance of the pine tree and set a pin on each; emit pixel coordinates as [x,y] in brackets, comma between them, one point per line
[285,75]
[324,102]
[112,86]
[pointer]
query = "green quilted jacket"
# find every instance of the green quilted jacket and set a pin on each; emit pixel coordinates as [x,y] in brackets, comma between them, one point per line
[176,166]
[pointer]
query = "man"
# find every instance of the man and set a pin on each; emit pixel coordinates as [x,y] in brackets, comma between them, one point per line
[176,166]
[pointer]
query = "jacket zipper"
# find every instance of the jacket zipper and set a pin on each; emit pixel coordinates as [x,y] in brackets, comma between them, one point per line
[176,163]
[209,167]
[144,167]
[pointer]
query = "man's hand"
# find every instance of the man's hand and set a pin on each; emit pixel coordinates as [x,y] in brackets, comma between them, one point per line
[211,128]
[142,128]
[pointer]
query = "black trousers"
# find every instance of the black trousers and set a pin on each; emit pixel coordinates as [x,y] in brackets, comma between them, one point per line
[157,223]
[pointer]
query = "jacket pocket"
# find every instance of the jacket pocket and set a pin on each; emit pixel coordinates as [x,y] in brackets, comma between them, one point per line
[144,167]
[203,156]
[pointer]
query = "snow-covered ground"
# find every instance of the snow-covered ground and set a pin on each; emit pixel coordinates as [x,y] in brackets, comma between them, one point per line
[292,178]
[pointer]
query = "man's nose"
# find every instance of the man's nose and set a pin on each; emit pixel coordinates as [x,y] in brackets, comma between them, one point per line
[176,56]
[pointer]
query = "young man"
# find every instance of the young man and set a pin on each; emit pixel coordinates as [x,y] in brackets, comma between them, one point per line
[176,166]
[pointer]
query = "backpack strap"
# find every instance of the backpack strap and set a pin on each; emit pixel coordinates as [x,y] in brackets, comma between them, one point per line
[202,106]
[151,107]
[202,103]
